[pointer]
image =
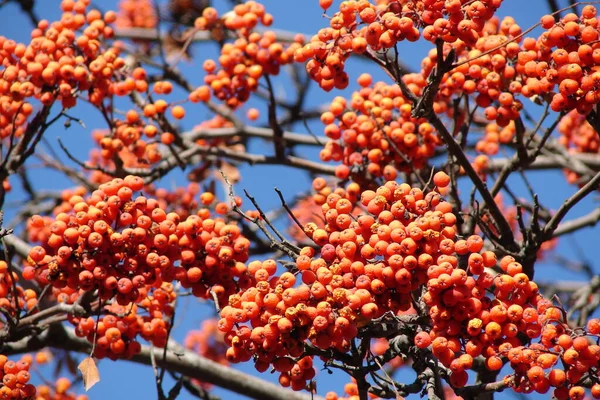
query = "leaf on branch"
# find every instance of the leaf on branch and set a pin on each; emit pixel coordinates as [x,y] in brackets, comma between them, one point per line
[89,372]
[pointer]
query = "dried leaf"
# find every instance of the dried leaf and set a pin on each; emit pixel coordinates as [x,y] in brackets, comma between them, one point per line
[89,372]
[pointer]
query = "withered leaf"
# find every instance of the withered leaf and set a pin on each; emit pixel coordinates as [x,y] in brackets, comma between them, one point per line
[89,372]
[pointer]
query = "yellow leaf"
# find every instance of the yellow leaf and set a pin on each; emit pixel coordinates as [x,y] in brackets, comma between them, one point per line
[90,373]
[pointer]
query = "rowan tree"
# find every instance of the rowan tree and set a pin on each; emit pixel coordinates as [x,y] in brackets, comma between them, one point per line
[418,246]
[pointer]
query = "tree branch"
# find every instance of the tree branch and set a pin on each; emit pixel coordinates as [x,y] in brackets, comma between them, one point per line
[178,360]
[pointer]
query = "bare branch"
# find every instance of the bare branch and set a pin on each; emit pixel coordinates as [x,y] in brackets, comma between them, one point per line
[178,360]
[553,224]
[576,224]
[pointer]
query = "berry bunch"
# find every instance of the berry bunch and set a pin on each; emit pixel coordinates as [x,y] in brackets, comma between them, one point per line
[115,333]
[374,134]
[501,65]
[307,209]
[487,69]
[361,26]
[63,59]
[126,141]
[577,136]
[367,266]
[136,14]
[58,390]
[117,243]
[350,390]
[138,154]
[243,62]
[14,299]
[494,136]
[15,379]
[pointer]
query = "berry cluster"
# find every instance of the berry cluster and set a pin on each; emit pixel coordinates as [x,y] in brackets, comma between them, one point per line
[136,143]
[243,62]
[374,134]
[350,389]
[15,379]
[308,209]
[497,67]
[63,59]
[126,141]
[14,299]
[117,243]
[367,266]
[461,309]
[360,26]
[115,334]
[488,69]
[493,137]
[577,136]
[58,390]
[136,14]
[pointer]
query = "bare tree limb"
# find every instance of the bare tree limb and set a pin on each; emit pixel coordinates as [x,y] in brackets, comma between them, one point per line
[553,224]
[178,360]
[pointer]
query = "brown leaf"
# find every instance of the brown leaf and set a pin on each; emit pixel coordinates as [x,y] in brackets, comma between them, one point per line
[90,373]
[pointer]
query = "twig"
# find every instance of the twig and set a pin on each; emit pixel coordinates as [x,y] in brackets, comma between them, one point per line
[282,244]
[290,212]
[553,224]
[277,131]
[576,224]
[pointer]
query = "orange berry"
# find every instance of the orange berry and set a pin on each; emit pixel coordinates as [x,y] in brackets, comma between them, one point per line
[178,112]
[441,179]
[253,114]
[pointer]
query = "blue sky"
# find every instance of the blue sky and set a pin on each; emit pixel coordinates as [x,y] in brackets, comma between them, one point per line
[302,16]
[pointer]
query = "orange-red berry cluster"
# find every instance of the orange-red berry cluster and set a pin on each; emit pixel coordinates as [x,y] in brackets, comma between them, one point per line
[64,59]
[350,390]
[15,379]
[126,141]
[459,308]
[116,331]
[308,209]
[58,390]
[136,14]
[493,137]
[577,136]
[243,62]
[374,134]
[488,69]
[498,67]
[537,366]
[26,299]
[361,26]
[117,243]
[367,266]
